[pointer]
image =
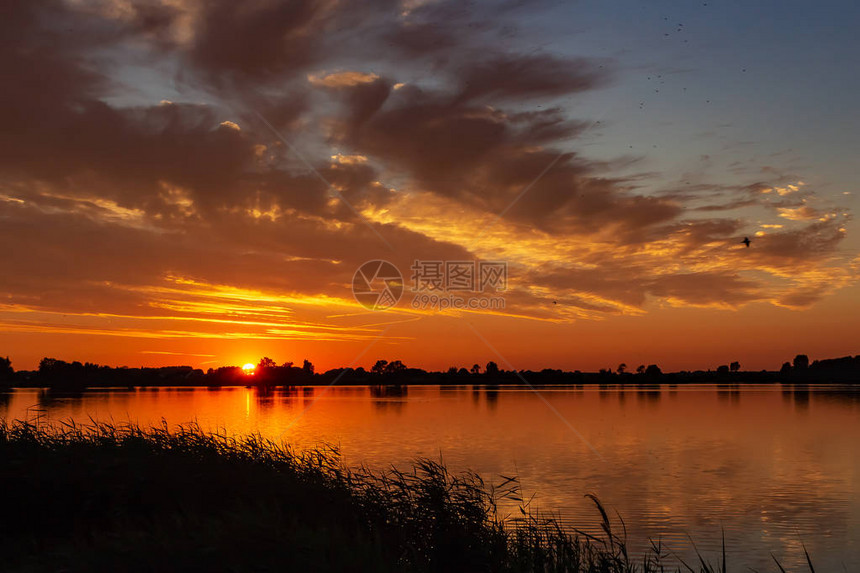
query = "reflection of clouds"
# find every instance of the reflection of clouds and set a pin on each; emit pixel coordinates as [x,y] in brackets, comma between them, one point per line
[688,463]
[713,468]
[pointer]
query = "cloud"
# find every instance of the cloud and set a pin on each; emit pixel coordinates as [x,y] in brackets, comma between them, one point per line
[528,76]
[486,157]
[707,289]
[342,79]
[256,40]
[801,213]
[106,197]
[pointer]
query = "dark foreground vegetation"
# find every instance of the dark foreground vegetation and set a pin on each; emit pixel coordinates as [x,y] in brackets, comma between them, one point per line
[119,498]
[73,376]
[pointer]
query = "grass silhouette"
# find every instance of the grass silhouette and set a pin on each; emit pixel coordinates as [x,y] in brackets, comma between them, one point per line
[109,497]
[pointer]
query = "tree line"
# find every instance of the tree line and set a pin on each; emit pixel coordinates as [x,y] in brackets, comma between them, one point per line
[62,375]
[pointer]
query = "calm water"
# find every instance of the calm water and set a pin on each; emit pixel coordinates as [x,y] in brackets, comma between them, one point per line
[774,466]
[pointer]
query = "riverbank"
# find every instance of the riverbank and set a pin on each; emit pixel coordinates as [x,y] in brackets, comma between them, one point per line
[121,498]
[75,376]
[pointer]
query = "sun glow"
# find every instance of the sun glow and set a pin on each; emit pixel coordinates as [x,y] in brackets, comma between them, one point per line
[248,368]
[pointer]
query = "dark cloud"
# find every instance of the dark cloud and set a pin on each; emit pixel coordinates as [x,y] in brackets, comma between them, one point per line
[96,192]
[801,246]
[707,288]
[728,206]
[528,76]
[487,158]
[257,39]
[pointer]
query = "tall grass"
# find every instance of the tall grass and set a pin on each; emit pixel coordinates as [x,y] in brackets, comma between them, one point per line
[109,497]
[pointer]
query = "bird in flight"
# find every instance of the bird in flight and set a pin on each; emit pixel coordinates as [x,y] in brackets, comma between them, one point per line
[746,241]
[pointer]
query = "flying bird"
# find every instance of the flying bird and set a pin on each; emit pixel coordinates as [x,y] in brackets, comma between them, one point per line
[746,241]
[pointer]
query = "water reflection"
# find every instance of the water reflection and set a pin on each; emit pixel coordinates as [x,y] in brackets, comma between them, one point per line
[729,393]
[491,391]
[389,397]
[49,398]
[649,393]
[771,464]
[799,395]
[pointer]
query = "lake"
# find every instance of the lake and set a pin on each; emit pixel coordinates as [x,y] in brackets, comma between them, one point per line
[775,467]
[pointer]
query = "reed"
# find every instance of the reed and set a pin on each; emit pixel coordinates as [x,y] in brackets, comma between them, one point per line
[118,497]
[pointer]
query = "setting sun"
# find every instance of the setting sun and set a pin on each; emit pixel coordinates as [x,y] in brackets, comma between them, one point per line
[248,368]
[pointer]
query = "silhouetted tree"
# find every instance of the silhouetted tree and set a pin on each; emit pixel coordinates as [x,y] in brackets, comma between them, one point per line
[735,366]
[653,370]
[722,369]
[640,369]
[266,362]
[786,368]
[379,367]
[801,362]
[452,370]
[307,367]
[476,369]
[61,375]
[395,367]
[6,370]
[492,368]
[46,364]
[621,368]
[264,374]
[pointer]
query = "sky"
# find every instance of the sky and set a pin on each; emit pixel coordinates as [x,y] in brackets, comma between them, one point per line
[189,182]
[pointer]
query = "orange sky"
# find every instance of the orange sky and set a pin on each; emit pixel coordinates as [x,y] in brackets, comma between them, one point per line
[186,185]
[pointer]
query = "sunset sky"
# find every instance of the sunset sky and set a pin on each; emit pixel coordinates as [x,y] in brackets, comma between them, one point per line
[196,182]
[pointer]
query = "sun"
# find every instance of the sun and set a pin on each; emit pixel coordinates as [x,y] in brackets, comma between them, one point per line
[248,368]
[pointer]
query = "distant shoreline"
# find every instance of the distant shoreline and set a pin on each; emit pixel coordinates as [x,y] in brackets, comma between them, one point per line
[483,386]
[61,375]
[533,379]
